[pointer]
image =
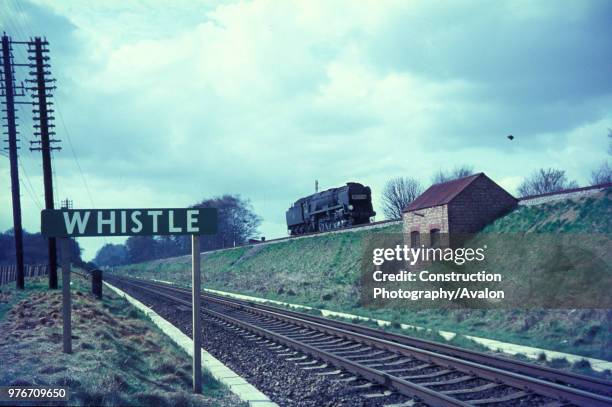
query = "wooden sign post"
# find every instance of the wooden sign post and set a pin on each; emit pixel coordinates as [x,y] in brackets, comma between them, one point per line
[64,223]
[66,300]
[195,310]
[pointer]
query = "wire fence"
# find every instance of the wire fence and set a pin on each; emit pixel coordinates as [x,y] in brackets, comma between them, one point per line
[8,273]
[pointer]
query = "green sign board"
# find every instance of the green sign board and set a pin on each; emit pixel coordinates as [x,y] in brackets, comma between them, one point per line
[128,222]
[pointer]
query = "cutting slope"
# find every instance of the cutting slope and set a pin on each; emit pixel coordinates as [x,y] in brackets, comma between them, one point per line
[324,271]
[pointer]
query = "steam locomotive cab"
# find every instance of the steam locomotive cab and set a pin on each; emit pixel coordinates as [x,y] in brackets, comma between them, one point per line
[331,209]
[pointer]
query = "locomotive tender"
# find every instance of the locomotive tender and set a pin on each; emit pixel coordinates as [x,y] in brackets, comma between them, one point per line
[331,209]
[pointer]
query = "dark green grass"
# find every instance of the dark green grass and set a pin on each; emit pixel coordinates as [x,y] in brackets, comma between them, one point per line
[119,357]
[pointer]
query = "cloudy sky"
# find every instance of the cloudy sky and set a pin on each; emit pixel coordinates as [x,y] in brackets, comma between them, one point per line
[164,103]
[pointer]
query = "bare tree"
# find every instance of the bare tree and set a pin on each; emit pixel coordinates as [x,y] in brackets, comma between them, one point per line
[397,194]
[602,174]
[545,180]
[460,171]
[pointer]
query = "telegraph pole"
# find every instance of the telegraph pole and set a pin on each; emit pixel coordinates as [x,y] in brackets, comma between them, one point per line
[66,203]
[41,94]
[11,125]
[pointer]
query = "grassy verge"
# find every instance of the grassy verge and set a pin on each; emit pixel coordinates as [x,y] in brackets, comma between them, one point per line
[324,272]
[119,357]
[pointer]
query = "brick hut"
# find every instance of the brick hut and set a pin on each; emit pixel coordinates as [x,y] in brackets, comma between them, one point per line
[456,207]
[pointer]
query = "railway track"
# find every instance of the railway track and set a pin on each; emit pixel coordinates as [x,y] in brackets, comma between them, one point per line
[388,363]
[347,229]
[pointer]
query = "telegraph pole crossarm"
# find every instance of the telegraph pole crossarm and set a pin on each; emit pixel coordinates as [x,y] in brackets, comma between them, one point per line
[41,93]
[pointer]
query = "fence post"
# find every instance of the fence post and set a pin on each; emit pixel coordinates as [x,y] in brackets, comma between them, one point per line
[96,283]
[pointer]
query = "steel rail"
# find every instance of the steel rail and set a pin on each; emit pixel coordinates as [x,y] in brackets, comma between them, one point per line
[405,387]
[553,375]
[544,372]
[521,381]
[539,386]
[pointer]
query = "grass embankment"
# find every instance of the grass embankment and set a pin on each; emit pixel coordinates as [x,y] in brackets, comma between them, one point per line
[119,357]
[324,272]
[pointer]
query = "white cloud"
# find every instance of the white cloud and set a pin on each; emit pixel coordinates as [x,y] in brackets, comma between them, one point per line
[168,105]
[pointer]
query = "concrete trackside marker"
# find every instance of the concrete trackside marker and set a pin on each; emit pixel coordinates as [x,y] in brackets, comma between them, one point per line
[237,385]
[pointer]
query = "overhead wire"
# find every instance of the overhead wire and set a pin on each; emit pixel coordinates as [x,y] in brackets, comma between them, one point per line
[31,188]
[22,27]
[22,13]
[72,150]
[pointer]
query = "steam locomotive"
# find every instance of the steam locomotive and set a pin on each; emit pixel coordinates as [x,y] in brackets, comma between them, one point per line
[331,209]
